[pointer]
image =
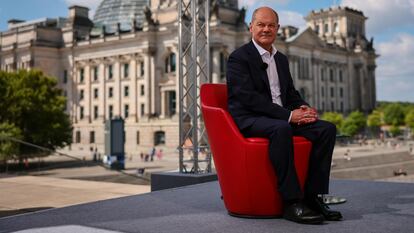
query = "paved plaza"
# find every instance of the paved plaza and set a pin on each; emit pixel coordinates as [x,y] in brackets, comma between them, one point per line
[66,186]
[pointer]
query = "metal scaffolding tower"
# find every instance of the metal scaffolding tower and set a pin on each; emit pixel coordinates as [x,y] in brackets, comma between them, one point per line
[194,70]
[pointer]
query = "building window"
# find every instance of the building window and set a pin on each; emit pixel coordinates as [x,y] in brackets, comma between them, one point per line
[126,111]
[92,137]
[302,93]
[142,109]
[81,112]
[126,91]
[223,65]
[78,136]
[110,72]
[81,75]
[95,112]
[95,73]
[65,76]
[137,137]
[95,93]
[336,27]
[341,92]
[141,69]
[126,70]
[81,95]
[110,92]
[340,76]
[170,63]
[171,103]
[303,68]
[332,92]
[159,137]
[322,74]
[317,29]
[323,106]
[332,106]
[331,75]
[142,90]
[110,111]
[326,28]
[342,107]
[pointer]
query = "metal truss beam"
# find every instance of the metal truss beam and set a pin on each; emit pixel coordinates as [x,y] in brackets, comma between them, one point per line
[194,70]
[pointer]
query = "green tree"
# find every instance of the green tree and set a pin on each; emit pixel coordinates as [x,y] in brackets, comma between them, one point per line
[335,118]
[409,119]
[394,114]
[354,123]
[8,148]
[395,130]
[374,121]
[32,102]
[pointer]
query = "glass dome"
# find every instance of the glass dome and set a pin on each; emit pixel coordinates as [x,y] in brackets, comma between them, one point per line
[111,12]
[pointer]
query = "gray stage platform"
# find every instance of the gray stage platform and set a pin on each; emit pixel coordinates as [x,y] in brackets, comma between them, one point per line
[371,207]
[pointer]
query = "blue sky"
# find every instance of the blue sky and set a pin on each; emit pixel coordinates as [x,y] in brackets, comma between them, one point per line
[390,22]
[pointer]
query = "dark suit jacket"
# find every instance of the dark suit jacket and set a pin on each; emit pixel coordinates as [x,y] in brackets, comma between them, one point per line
[249,95]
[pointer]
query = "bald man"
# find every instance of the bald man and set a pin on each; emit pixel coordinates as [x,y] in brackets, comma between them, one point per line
[264,103]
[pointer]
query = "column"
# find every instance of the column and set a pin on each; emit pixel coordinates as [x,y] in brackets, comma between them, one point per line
[215,68]
[133,89]
[117,88]
[102,91]
[87,92]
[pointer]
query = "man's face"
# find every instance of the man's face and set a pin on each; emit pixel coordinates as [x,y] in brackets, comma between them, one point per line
[264,28]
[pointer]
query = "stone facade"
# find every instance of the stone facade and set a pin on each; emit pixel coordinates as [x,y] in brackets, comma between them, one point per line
[134,73]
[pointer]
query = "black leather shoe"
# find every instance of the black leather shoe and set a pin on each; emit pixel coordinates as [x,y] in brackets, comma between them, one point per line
[300,213]
[319,206]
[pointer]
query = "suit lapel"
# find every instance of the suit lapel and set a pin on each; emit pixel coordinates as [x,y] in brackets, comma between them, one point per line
[257,61]
[282,78]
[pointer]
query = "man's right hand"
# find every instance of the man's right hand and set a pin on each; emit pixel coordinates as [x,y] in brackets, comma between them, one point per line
[303,115]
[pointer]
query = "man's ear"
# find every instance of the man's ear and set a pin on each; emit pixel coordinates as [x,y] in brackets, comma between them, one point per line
[250,27]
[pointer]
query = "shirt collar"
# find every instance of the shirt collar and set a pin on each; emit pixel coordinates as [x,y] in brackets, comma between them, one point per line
[263,51]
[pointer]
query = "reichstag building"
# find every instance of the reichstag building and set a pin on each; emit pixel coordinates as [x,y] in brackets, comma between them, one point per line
[123,62]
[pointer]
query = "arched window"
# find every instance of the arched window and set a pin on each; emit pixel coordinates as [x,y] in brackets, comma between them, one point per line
[159,137]
[326,29]
[170,64]
[336,27]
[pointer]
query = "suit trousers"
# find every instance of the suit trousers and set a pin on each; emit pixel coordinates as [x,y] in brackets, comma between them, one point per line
[280,133]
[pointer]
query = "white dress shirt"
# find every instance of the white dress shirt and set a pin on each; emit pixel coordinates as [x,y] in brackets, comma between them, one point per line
[272,74]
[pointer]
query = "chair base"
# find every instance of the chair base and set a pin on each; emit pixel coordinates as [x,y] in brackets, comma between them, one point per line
[253,216]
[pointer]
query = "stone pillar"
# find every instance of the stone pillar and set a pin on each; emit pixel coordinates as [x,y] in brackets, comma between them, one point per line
[117,88]
[153,84]
[163,104]
[87,92]
[215,66]
[147,83]
[102,92]
[133,90]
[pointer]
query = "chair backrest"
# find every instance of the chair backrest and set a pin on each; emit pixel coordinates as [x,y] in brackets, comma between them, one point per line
[214,95]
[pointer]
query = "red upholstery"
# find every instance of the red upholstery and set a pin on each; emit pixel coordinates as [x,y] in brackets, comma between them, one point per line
[246,177]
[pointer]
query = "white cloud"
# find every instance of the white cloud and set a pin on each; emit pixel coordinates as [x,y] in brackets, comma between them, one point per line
[397,56]
[291,18]
[384,14]
[395,68]
[285,17]
[250,3]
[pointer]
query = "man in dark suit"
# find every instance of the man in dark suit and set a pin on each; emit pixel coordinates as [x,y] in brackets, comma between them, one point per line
[264,103]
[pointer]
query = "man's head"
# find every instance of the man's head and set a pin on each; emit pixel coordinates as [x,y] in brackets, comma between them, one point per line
[264,26]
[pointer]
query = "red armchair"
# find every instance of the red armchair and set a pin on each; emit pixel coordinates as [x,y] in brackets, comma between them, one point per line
[246,177]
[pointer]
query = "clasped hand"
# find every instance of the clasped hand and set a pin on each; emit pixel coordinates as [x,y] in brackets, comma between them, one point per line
[304,115]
